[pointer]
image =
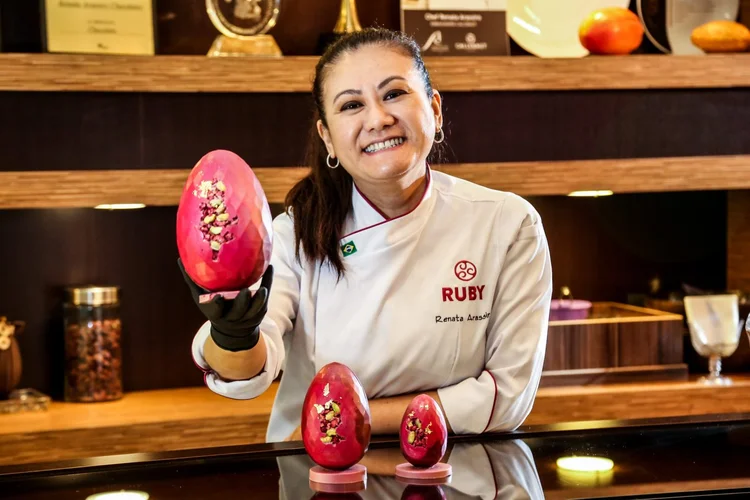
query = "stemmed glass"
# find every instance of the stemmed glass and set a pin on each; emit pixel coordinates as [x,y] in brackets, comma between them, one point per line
[715,329]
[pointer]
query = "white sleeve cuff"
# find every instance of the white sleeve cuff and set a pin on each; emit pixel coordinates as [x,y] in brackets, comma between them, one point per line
[236,389]
[469,404]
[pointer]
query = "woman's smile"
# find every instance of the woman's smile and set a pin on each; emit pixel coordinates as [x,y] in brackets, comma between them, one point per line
[384,146]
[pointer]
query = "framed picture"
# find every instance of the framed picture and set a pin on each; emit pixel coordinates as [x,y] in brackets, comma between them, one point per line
[99,26]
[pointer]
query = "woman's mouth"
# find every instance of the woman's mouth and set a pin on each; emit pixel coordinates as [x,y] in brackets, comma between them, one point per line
[384,145]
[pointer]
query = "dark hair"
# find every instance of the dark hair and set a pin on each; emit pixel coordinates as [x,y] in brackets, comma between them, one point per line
[321,201]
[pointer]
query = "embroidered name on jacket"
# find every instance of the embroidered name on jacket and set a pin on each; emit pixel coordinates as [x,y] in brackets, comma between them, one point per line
[464,271]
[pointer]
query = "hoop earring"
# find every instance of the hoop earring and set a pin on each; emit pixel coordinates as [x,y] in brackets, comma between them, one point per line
[328,162]
[439,136]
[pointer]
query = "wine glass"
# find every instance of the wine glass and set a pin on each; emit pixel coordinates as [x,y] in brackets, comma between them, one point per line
[715,330]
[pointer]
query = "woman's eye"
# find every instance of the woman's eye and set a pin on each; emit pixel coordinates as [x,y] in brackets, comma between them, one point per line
[394,93]
[350,105]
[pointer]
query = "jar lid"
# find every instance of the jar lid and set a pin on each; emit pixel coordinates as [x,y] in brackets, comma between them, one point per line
[93,295]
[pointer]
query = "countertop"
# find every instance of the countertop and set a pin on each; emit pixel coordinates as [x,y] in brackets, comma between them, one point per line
[175,419]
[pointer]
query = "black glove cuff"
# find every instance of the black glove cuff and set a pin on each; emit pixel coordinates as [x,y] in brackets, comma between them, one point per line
[234,344]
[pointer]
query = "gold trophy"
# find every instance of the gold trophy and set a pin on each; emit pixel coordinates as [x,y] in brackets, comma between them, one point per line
[243,27]
[348,22]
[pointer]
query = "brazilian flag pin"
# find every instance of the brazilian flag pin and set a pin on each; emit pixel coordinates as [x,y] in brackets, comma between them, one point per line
[348,248]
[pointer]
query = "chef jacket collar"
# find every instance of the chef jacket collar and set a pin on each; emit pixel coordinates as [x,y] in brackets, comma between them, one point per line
[365,215]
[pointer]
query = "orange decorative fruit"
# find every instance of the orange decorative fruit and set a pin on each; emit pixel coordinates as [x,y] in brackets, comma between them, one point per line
[611,31]
[721,36]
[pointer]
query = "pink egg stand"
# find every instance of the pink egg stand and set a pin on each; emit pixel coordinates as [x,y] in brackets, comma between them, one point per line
[431,475]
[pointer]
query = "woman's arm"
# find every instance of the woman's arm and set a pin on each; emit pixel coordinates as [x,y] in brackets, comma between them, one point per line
[501,397]
[248,373]
[387,413]
[239,365]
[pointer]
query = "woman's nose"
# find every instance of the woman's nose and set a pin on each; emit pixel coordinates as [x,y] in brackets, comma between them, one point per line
[378,117]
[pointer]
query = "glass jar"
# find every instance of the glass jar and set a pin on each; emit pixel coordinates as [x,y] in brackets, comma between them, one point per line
[93,352]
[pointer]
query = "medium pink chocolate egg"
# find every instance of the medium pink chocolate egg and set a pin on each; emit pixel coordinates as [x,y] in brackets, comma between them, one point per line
[336,418]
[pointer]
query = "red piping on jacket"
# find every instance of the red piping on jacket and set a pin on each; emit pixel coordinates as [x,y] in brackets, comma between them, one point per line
[426,189]
[494,401]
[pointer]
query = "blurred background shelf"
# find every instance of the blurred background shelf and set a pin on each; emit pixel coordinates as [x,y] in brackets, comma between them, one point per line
[95,73]
[163,187]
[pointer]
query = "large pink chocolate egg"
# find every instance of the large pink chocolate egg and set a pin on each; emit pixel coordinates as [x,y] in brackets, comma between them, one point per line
[336,418]
[423,433]
[224,224]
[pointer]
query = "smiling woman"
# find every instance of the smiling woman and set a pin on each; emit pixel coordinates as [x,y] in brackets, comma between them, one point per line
[417,281]
[379,118]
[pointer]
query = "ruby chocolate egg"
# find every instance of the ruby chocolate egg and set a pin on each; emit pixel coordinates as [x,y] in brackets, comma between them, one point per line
[423,433]
[224,224]
[336,418]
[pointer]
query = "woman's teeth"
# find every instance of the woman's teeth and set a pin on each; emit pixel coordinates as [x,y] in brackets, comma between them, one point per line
[379,146]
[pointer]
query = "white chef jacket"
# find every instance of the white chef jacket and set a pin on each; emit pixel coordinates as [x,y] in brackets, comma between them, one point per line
[452,296]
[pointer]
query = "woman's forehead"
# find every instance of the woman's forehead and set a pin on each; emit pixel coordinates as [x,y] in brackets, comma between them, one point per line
[368,66]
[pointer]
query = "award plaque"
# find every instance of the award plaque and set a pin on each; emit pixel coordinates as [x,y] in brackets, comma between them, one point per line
[457,27]
[243,26]
[99,26]
[348,22]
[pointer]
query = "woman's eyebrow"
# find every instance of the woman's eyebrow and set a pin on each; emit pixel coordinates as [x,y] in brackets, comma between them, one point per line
[359,92]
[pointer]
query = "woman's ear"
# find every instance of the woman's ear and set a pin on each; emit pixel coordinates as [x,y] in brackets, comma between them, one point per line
[326,137]
[437,108]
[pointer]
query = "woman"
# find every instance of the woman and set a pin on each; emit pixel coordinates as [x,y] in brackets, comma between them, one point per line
[416,280]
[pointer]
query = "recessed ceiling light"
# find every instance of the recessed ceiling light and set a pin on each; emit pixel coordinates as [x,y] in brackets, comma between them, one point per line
[119,495]
[585,464]
[591,194]
[119,206]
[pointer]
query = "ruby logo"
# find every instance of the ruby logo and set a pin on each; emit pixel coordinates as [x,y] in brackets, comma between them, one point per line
[465,270]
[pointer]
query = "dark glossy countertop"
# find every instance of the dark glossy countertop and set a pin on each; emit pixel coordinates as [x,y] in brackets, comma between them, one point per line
[652,459]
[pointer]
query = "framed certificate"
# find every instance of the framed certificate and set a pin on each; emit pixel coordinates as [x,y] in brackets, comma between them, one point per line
[99,26]
[457,27]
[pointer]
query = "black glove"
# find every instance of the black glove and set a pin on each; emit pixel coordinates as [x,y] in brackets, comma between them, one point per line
[234,322]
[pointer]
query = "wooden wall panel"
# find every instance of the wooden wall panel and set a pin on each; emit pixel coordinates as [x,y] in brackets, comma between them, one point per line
[573,347]
[610,248]
[93,131]
[738,240]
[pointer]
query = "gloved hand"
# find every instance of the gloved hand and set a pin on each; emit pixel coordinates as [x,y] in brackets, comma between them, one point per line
[234,322]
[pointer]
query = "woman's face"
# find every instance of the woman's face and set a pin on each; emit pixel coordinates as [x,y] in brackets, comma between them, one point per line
[381,124]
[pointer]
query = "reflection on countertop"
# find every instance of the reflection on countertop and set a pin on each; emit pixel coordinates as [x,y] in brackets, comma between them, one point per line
[495,470]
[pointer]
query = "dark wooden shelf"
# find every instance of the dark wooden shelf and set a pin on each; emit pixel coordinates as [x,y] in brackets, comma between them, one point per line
[88,188]
[62,72]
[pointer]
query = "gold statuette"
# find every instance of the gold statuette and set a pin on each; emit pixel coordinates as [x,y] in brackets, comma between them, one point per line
[348,22]
[243,27]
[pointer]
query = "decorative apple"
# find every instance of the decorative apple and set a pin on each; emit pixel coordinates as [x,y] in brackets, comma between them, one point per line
[423,433]
[336,418]
[224,224]
[611,31]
